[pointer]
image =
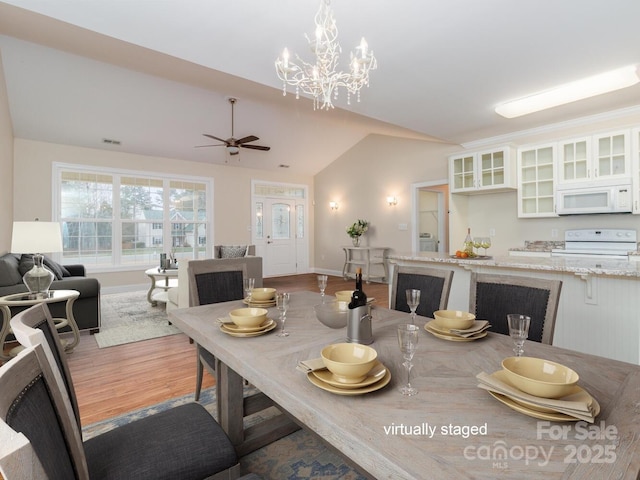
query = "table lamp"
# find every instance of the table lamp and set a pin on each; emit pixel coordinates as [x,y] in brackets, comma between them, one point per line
[34,238]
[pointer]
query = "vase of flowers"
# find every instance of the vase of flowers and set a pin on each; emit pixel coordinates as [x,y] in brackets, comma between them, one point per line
[356,230]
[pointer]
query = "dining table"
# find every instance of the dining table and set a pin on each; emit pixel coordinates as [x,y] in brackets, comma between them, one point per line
[451,428]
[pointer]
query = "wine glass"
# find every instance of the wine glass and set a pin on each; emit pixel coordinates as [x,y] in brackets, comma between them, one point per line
[282,303]
[519,330]
[248,284]
[413,300]
[322,284]
[486,243]
[408,341]
[477,243]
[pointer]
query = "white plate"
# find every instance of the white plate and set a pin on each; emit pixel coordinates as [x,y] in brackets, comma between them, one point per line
[375,374]
[224,329]
[356,391]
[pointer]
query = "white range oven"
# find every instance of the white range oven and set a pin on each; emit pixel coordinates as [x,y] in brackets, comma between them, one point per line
[614,243]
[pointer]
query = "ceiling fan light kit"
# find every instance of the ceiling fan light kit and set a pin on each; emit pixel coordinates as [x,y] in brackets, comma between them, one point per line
[232,144]
[570,92]
[321,80]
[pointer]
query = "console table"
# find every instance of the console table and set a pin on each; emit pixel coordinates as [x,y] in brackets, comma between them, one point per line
[365,257]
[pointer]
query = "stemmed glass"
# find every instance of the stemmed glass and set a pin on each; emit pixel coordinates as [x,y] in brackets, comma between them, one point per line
[477,243]
[408,341]
[486,243]
[248,284]
[282,303]
[519,330]
[413,300]
[322,284]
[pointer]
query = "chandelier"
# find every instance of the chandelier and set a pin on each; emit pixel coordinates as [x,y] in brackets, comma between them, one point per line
[321,80]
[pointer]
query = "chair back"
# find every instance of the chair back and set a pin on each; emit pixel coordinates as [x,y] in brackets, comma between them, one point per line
[211,281]
[434,285]
[493,297]
[36,326]
[34,402]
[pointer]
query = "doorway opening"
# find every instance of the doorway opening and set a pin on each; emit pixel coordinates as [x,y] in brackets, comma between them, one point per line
[430,226]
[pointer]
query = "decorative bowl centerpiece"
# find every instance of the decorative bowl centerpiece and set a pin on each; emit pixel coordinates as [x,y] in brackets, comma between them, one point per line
[248,317]
[540,377]
[263,294]
[332,314]
[349,362]
[454,319]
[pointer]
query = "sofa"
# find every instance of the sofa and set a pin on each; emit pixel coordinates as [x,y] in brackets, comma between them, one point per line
[178,297]
[86,309]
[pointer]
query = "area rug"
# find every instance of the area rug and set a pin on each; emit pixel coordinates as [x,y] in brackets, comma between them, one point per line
[299,456]
[129,317]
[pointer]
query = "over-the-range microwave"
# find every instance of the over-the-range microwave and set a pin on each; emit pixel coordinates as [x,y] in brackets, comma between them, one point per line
[605,198]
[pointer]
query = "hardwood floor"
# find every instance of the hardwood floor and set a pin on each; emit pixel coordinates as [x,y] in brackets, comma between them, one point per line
[115,380]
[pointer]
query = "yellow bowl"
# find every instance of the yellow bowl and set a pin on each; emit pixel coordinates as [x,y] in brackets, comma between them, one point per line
[539,377]
[332,314]
[454,319]
[263,294]
[349,362]
[248,317]
[344,295]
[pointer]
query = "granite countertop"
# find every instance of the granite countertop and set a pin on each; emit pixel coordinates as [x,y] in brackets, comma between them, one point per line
[578,266]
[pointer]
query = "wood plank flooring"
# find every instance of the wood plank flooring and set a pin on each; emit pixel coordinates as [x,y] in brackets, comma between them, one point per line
[115,380]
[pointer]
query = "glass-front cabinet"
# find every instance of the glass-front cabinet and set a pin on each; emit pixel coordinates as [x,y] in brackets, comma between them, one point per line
[536,167]
[589,159]
[479,172]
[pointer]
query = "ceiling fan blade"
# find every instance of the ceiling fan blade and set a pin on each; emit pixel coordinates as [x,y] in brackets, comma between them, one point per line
[215,138]
[216,145]
[256,147]
[250,138]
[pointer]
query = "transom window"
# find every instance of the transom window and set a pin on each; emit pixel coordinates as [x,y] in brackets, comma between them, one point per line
[116,219]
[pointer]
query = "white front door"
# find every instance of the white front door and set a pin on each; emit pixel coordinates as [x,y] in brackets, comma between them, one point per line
[278,243]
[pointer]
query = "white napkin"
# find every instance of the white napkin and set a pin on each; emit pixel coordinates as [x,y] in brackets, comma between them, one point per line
[566,405]
[307,366]
[224,320]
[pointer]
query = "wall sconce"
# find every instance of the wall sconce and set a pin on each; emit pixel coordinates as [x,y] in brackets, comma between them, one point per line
[333,205]
[392,201]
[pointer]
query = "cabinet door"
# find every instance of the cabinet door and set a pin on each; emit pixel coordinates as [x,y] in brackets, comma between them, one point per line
[462,171]
[574,160]
[536,176]
[635,169]
[492,169]
[612,155]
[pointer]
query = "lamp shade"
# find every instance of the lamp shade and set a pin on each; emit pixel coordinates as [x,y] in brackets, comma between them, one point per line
[36,237]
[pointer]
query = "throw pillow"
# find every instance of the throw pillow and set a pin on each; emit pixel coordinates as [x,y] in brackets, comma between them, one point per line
[233,251]
[26,264]
[9,272]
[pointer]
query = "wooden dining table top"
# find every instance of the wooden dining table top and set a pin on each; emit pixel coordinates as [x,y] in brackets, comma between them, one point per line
[451,428]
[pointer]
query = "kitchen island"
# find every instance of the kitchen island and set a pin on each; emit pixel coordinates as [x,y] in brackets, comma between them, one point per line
[599,300]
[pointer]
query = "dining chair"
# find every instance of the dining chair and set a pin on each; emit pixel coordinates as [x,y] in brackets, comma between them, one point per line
[492,297]
[182,442]
[434,285]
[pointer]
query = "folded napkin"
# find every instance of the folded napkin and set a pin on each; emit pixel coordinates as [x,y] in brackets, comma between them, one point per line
[224,320]
[567,405]
[477,327]
[311,365]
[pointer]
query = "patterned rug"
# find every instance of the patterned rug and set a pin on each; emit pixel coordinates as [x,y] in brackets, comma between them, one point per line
[299,456]
[128,317]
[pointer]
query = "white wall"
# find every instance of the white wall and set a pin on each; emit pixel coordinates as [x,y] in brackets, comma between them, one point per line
[232,189]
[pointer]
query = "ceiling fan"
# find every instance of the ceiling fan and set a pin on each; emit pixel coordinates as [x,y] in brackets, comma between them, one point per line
[232,144]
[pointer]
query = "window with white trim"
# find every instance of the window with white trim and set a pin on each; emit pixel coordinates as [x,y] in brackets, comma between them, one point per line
[119,218]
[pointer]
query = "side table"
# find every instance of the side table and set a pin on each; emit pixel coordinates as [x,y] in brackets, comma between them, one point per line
[365,257]
[30,299]
[167,279]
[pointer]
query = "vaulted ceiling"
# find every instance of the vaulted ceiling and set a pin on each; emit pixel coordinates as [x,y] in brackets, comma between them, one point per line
[156,74]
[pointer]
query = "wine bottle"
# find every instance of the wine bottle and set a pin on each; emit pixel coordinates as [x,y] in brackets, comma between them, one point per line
[468,243]
[358,298]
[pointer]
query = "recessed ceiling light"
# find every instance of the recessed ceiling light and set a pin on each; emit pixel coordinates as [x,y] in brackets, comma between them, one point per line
[570,92]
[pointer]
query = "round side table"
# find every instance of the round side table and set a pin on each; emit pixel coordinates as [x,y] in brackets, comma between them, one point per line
[30,299]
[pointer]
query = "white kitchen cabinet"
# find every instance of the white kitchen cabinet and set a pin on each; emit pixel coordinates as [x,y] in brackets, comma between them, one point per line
[587,160]
[482,172]
[635,169]
[536,180]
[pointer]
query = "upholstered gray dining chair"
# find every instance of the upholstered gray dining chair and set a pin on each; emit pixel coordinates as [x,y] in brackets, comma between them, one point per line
[434,285]
[183,442]
[212,282]
[492,297]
